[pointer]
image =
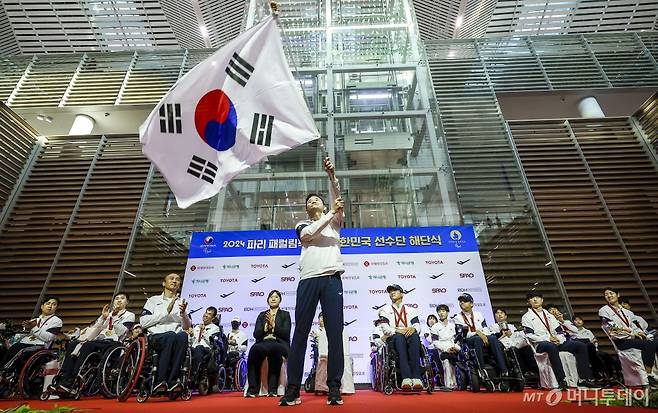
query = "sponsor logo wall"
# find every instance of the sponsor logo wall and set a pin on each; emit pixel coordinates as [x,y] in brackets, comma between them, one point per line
[234,271]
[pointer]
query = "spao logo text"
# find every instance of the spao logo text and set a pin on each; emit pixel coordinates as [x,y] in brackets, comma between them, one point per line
[466,275]
[257,294]
[439,290]
[285,279]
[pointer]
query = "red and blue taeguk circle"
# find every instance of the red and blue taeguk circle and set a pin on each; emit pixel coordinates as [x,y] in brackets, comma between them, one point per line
[216,120]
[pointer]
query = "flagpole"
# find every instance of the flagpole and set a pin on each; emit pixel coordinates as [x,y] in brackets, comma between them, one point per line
[274,8]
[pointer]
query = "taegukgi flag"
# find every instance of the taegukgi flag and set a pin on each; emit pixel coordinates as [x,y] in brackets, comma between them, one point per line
[236,107]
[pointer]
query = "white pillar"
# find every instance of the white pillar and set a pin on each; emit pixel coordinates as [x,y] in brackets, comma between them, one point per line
[589,108]
[82,125]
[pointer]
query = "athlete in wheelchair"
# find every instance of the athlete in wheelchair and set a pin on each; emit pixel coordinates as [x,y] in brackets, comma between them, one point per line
[208,354]
[404,362]
[81,371]
[236,360]
[23,367]
[482,359]
[159,362]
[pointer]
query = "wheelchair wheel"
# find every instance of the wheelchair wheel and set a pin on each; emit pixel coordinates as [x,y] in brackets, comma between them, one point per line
[240,374]
[474,380]
[221,379]
[428,373]
[516,385]
[374,374]
[109,371]
[186,395]
[489,385]
[142,396]
[388,390]
[203,386]
[32,376]
[504,386]
[88,377]
[131,368]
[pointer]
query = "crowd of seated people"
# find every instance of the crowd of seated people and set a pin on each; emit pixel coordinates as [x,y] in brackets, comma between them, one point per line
[544,330]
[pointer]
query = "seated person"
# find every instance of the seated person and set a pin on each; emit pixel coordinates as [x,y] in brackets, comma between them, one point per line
[547,336]
[427,336]
[200,338]
[639,321]
[347,380]
[272,334]
[509,335]
[401,324]
[237,341]
[43,331]
[106,332]
[515,341]
[478,335]
[567,326]
[443,332]
[600,361]
[378,337]
[165,318]
[443,341]
[618,322]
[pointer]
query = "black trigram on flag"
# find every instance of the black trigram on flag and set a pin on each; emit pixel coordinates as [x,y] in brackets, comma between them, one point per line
[202,169]
[170,118]
[239,69]
[261,129]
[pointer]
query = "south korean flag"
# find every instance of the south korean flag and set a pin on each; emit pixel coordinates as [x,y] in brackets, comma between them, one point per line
[229,112]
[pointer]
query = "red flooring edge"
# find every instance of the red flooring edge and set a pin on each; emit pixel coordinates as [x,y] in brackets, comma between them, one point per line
[364,401]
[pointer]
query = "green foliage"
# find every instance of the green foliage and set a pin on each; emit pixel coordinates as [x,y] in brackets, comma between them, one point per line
[25,408]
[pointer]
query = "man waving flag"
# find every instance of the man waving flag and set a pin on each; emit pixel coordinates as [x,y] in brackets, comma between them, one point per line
[232,110]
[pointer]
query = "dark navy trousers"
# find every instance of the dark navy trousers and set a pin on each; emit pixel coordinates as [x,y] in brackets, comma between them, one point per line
[328,290]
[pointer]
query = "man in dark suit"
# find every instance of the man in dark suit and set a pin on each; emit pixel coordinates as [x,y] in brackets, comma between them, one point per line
[272,334]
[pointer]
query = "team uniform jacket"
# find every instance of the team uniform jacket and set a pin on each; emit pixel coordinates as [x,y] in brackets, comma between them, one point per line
[535,326]
[240,338]
[201,334]
[619,317]
[584,334]
[156,319]
[398,317]
[517,339]
[44,332]
[443,335]
[473,322]
[111,328]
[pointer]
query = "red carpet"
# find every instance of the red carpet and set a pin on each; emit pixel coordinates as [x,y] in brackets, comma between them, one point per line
[365,401]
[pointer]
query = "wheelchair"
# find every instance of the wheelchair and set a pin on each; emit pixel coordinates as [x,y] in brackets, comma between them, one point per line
[213,369]
[27,381]
[309,383]
[437,367]
[237,372]
[138,369]
[470,374]
[386,373]
[90,378]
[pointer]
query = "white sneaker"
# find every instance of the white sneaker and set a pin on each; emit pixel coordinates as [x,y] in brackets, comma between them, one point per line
[407,384]
[417,384]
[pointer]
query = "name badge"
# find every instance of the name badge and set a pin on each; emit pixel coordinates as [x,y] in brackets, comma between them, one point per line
[108,333]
